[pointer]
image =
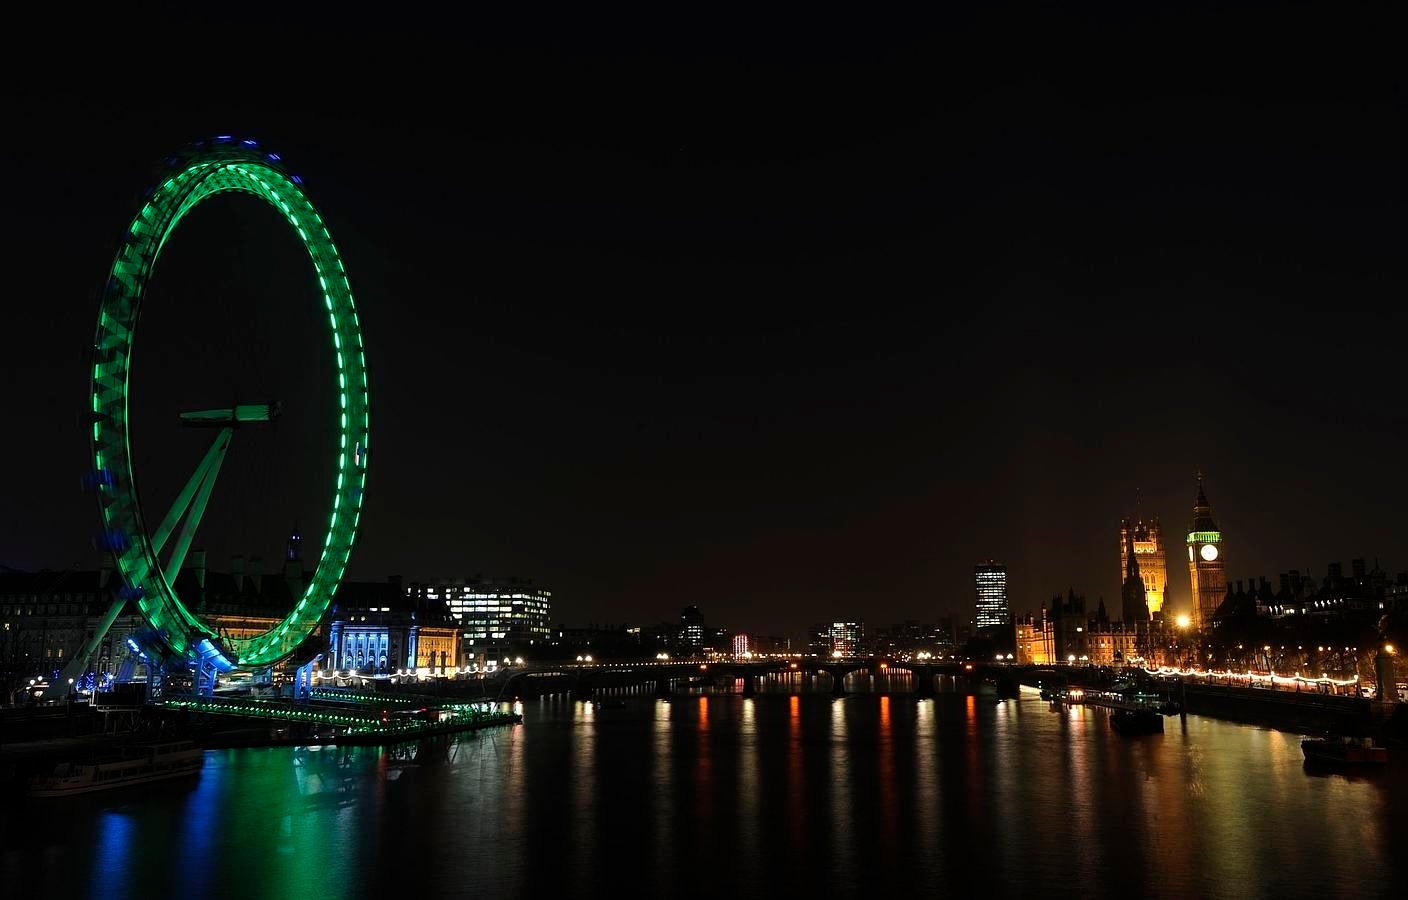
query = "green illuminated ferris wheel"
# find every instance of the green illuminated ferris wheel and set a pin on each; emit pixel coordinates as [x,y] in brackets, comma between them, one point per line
[204,170]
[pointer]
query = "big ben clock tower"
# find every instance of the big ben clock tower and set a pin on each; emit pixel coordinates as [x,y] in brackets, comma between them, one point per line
[1205,568]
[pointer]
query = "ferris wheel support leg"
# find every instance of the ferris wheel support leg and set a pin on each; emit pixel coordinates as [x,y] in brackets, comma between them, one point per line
[78,666]
[156,681]
[303,681]
[205,477]
[206,675]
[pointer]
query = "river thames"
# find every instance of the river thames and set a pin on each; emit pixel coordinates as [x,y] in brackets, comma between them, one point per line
[718,795]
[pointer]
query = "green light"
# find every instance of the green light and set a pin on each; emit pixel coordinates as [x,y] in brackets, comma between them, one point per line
[1204,537]
[210,172]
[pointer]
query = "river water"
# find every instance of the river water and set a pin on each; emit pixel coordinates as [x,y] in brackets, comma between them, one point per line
[717,795]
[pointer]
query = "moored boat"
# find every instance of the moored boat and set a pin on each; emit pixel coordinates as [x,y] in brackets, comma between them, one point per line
[1344,752]
[141,764]
[1137,721]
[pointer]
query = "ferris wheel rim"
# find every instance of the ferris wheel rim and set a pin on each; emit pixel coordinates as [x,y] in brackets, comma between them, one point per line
[191,177]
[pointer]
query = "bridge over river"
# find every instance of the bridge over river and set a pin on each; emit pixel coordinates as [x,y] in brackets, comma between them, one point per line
[665,677]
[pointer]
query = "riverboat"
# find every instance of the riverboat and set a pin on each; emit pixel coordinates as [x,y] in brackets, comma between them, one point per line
[141,764]
[1137,721]
[1344,752]
[1050,683]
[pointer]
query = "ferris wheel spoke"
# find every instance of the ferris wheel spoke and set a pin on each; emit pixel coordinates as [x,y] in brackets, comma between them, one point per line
[188,530]
[208,466]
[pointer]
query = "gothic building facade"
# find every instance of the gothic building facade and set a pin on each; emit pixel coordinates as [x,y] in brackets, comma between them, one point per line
[1148,550]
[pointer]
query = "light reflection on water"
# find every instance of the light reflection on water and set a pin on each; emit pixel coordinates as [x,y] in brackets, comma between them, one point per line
[721,794]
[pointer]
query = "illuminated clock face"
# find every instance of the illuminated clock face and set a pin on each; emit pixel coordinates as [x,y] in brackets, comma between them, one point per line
[1209,552]
[1190,554]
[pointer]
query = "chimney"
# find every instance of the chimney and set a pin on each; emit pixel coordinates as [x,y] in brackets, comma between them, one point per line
[198,567]
[237,573]
[256,572]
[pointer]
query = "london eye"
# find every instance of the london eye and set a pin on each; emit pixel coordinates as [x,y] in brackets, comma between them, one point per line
[148,553]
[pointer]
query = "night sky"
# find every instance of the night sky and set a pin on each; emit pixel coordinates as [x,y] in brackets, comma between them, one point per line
[789,319]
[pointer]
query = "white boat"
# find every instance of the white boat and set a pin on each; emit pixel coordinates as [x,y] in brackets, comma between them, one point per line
[147,762]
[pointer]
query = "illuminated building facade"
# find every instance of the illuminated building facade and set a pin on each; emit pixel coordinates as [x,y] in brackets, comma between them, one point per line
[494,614]
[47,617]
[990,580]
[740,645]
[1148,542]
[376,627]
[691,629]
[1205,563]
[847,638]
[1112,644]
[1034,641]
[1069,637]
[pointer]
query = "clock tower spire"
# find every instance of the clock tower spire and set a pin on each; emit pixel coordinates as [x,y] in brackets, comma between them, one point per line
[1205,565]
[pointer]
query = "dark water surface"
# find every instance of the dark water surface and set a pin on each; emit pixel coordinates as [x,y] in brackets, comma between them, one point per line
[724,796]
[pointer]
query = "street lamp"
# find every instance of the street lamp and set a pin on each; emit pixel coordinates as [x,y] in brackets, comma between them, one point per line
[1183,623]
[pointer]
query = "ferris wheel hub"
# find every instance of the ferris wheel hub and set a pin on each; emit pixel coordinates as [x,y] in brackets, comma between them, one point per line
[232,415]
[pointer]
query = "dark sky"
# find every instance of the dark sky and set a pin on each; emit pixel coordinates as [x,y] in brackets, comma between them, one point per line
[793,319]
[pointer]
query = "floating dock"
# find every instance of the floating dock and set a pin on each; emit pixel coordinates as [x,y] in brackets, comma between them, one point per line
[354,717]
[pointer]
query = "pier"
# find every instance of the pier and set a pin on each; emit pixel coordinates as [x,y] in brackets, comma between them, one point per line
[349,717]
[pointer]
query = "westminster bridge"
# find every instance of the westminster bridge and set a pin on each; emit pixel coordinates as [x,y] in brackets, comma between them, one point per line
[840,676]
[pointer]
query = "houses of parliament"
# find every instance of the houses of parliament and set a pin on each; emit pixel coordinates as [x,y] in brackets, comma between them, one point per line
[1206,568]
[1065,631]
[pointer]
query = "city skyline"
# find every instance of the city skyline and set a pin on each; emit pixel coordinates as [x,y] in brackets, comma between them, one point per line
[711,337]
[574,452]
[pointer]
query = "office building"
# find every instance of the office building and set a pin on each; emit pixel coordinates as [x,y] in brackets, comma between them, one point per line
[990,579]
